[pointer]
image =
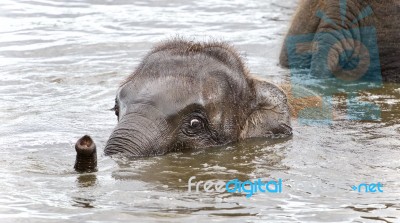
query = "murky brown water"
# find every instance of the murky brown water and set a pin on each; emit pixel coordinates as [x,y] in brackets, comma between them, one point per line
[61,63]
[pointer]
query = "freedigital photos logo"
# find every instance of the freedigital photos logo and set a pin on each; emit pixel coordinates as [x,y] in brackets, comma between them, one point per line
[337,61]
[247,187]
[368,188]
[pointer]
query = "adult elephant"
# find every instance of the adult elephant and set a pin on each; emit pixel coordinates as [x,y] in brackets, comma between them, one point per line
[351,39]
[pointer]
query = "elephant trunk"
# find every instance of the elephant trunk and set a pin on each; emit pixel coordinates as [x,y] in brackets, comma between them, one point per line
[138,135]
[86,155]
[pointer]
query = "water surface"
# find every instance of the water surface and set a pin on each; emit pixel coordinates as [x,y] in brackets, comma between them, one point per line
[61,63]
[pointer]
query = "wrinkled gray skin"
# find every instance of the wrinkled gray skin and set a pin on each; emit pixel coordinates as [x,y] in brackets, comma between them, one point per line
[188,95]
[384,17]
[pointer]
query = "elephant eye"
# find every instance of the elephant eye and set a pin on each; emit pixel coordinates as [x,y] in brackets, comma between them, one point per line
[195,123]
[116,110]
[193,126]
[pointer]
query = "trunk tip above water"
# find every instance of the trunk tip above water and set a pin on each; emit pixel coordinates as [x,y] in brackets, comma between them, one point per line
[86,155]
[85,146]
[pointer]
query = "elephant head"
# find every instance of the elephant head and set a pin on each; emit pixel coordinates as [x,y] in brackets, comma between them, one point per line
[189,95]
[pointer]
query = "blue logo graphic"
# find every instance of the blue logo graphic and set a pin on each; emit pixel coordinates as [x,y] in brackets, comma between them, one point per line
[249,187]
[236,186]
[341,61]
[368,188]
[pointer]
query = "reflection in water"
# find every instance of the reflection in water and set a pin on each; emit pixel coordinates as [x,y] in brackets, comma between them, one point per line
[388,99]
[322,101]
[83,202]
[247,160]
[86,180]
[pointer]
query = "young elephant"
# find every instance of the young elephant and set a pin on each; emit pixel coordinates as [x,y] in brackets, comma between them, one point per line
[349,38]
[186,95]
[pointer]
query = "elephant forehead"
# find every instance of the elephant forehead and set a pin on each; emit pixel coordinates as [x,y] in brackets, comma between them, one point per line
[172,94]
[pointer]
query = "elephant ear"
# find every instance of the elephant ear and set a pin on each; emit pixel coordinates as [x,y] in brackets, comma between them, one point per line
[269,114]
